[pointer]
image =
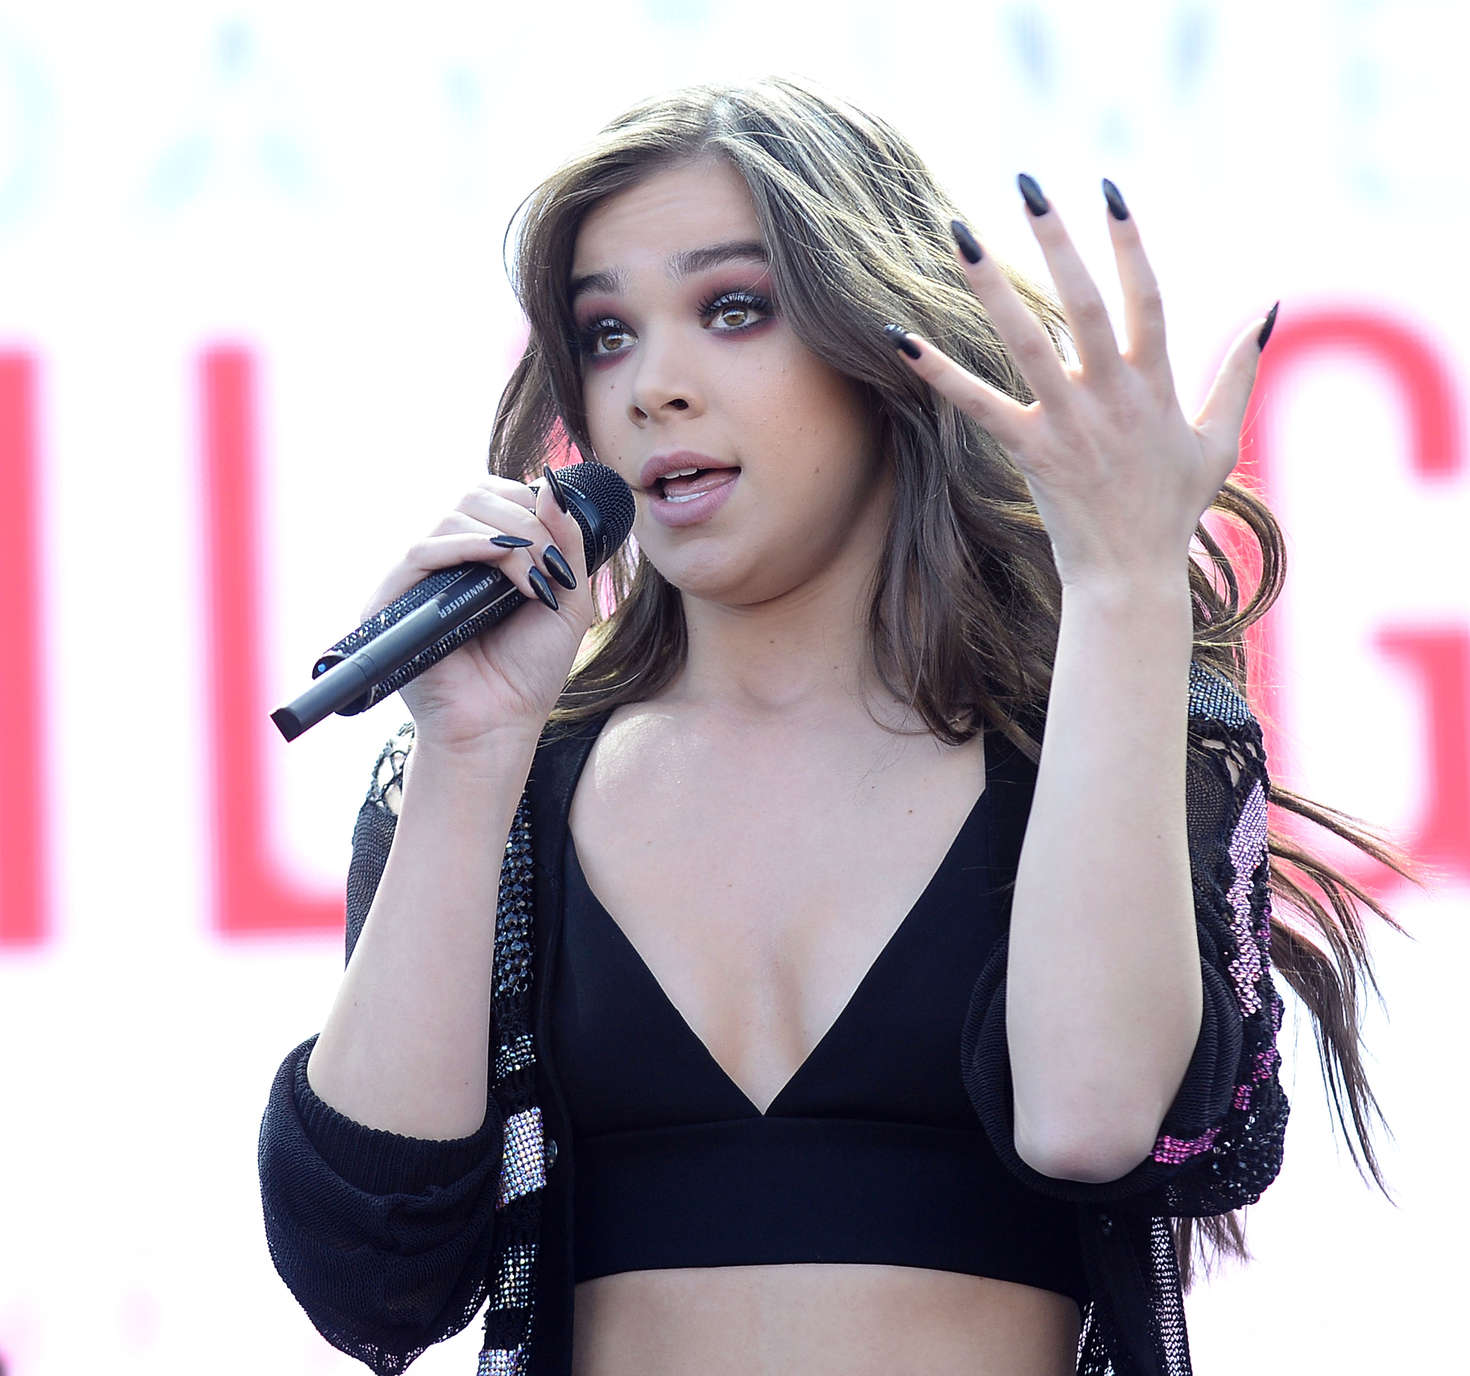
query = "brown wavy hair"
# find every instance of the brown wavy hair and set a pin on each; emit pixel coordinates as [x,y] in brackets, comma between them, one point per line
[966,608]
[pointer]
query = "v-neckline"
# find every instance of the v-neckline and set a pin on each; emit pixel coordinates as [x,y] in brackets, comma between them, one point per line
[874,966]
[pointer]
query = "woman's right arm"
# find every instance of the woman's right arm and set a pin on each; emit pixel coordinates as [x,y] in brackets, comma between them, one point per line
[405,1047]
[380,1149]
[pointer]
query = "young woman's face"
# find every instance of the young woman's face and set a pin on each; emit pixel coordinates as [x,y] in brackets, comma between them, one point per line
[685,351]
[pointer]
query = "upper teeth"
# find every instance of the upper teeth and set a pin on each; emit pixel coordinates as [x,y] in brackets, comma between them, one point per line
[681,473]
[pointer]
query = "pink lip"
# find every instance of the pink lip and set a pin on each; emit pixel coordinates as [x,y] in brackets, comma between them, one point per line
[660,464]
[693,512]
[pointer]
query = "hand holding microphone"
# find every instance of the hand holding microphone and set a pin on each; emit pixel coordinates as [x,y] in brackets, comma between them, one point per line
[430,638]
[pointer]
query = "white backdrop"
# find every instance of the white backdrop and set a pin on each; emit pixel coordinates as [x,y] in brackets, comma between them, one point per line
[253,327]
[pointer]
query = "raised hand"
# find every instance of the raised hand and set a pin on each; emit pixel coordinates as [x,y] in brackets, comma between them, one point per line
[1118,474]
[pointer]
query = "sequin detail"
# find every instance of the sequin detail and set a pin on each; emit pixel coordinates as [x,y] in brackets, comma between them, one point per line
[523,1167]
[515,1055]
[1232,1161]
[510,1314]
[512,972]
[1170,1151]
[1215,699]
[502,1362]
[1247,849]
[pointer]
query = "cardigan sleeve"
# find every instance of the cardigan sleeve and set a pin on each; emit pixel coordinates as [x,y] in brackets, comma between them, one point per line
[384,1240]
[1221,1140]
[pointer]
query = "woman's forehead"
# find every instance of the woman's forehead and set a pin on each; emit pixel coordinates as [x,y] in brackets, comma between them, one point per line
[670,212]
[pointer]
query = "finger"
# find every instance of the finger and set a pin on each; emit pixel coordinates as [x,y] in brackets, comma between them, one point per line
[565,532]
[1087,314]
[470,543]
[1003,416]
[568,553]
[1143,305]
[522,494]
[1222,417]
[1020,331]
[556,544]
[509,511]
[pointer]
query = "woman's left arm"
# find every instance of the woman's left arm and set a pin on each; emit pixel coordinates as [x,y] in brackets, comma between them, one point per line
[1104,998]
[1104,991]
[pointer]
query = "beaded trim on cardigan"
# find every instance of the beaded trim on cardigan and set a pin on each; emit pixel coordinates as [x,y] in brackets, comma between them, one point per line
[510,1312]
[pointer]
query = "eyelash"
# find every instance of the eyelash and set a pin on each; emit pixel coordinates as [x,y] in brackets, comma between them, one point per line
[725,300]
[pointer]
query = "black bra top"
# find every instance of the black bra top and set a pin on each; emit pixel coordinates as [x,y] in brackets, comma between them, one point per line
[871,1152]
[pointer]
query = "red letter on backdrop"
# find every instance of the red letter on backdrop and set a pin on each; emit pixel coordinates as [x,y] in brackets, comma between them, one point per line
[1438,657]
[255,896]
[25,899]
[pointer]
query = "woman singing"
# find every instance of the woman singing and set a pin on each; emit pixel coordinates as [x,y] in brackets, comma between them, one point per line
[882,953]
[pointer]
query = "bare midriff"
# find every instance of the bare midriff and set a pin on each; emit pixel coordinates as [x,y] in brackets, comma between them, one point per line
[819,1320]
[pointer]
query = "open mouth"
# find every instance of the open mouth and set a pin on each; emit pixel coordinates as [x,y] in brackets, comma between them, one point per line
[689,486]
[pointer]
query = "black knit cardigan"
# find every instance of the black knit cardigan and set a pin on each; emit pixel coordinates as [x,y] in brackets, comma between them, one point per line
[392,1243]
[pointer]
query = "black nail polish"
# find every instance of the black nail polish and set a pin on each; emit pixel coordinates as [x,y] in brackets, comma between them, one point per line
[1114,200]
[557,490]
[509,541]
[542,588]
[1266,329]
[965,240]
[1036,203]
[560,569]
[899,338]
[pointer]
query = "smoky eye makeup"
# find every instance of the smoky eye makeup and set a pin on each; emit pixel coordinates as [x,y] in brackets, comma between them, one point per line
[743,301]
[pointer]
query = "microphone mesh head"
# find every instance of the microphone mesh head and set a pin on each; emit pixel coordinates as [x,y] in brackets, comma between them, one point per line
[610,518]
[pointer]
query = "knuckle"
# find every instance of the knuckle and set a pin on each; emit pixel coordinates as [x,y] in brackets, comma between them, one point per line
[1090,311]
[1150,299]
[1032,348]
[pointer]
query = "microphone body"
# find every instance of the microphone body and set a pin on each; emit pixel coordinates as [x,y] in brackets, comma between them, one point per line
[440,613]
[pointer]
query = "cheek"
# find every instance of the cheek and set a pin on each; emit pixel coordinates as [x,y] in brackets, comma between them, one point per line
[827,404]
[599,406]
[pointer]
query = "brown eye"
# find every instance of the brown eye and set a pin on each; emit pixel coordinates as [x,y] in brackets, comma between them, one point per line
[598,332]
[741,304]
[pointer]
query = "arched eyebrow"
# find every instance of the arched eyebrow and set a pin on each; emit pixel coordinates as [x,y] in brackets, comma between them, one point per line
[684,264]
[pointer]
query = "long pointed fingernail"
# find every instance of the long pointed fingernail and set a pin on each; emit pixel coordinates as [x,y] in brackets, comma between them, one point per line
[1036,203]
[1114,200]
[1266,329]
[542,588]
[509,541]
[560,569]
[899,338]
[965,240]
[557,490]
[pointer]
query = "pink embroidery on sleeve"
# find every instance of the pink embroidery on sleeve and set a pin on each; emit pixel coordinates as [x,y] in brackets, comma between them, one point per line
[1172,1150]
[1247,847]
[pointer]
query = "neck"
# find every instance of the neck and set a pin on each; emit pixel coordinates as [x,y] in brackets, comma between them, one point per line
[802,655]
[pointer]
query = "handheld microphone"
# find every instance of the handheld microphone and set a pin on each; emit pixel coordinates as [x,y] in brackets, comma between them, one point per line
[444,610]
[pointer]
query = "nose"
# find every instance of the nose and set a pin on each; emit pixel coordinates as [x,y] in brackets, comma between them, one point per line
[663,383]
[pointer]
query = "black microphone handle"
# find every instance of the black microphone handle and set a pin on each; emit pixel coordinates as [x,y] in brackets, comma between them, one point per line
[435,616]
[442,611]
